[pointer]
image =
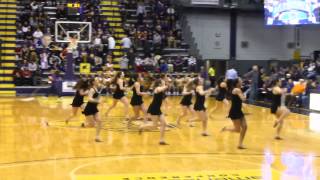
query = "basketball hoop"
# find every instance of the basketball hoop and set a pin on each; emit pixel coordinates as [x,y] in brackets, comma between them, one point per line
[82,31]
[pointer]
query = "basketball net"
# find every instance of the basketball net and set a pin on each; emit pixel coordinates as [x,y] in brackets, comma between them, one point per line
[73,43]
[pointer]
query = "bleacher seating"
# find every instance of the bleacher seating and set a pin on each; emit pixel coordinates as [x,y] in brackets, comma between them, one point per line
[112,15]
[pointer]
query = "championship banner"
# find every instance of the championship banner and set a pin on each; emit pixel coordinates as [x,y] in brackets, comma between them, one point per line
[85,68]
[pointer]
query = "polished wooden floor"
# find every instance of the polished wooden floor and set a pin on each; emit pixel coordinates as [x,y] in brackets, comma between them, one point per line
[31,151]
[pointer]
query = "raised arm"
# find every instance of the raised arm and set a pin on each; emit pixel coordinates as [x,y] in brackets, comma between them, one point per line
[203,92]
[161,89]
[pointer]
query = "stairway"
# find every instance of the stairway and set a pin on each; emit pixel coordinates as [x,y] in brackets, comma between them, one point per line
[8,10]
[110,11]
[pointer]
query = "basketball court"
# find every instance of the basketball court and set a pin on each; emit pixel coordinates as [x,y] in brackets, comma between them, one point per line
[37,144]
[31,150]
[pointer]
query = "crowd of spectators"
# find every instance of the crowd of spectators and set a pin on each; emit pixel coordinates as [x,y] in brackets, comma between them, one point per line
[298,80]
[38,54]
[156,27]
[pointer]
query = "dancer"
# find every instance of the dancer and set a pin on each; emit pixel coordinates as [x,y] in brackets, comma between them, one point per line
[82,89]
[199,106]
[236,114]
[167,81]
[281,112]
[91,110]
[155,110]
[136,100]
[186,101]
[119,95]
[222,101]
[222,91]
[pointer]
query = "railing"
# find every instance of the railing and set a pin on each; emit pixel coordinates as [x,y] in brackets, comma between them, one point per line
[205,2]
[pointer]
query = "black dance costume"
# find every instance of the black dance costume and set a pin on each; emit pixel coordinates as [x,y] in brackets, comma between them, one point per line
[236,108]
[92,107]
[186,100]
[276,102]
[221,94]
[199,104]
[77,100]
[136,99]
[155,106]
[118,93]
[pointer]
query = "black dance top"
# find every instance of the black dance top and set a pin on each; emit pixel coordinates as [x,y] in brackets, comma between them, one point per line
[155,106]
[136,99]
[186,100]
[118,93]
[199,104]
[221,93]
[276,102]
[236,108]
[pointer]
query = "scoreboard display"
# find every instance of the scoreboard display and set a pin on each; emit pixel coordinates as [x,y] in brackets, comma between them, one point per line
[73,9]
[73,5]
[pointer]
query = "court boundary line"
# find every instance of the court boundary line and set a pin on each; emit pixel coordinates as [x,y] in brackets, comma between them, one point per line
[73,175]
[53,160]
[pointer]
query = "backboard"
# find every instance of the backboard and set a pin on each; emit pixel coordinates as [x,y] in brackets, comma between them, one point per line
[65,30]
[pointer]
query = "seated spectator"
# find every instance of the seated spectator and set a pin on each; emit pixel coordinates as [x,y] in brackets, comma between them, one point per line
[61,11]
[44,61]
[33,68]
[126,43]
[111,44]
[163,67]
[141,37]
[141,12]
[138,64]
[178,64]
[97,41]
[97,63]
[131,56]
[26,74]
[296,93]
[299,88]
[172,43]
[38,34]
[124,63]
[17,77]
[157,42]
[109,64]
[192,64]
[34,5]
[26,29]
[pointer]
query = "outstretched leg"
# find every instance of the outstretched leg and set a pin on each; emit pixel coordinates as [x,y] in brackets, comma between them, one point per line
[182,115]
[204,118]
[243,131]
[98,127]
[74,113]
[125,102]
[235,128]
[114,104]
[163,125]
